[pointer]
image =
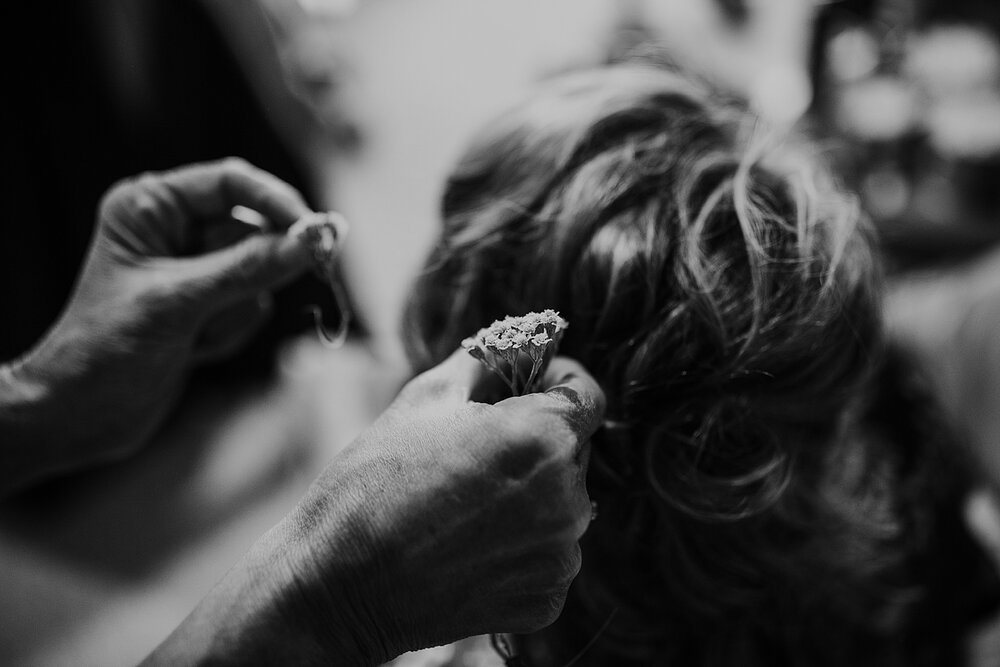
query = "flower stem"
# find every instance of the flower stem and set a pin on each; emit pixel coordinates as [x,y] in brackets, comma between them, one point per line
[500,375]
[535,365]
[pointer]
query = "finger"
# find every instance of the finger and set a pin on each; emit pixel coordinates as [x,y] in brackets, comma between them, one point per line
[223,233]
[259,263]
[231,329]
[569,390]
[214,188]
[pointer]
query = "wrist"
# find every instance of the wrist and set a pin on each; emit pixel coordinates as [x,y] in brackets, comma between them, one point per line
[335,587]
[269,609]
[28,413]
[54,417]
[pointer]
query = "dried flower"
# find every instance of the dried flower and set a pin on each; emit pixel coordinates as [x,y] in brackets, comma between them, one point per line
[510,346]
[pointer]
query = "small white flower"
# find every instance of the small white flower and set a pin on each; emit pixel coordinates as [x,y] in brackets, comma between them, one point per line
[500,346]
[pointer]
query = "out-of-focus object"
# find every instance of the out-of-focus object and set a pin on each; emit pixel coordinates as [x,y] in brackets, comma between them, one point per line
[876,108]
[781,92]
[957,70]
[953,59]
[401,85]
[966,128]
[852,54]
[332,8]
[909,96]
[756,50]
[324,234]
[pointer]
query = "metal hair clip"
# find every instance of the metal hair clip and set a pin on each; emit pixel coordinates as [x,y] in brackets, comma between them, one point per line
[324,234]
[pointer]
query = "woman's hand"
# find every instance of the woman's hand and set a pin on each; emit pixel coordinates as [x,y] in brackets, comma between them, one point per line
[447,518]
[170,279]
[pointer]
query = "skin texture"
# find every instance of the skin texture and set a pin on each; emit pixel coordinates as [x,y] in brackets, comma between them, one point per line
[447,518]
[170,279]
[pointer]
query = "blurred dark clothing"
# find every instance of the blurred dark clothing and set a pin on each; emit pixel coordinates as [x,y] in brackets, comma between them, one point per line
[68,137]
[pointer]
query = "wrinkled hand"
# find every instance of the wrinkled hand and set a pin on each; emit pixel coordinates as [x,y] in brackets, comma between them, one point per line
[170,279]
[447,518]
[466,515]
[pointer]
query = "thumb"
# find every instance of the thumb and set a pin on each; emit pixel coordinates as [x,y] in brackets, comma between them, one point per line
[454,380]
[241,271]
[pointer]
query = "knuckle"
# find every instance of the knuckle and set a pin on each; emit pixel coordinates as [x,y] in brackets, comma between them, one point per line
[565,524]
[556,600]
[522,457]
[117,194]
[580,524]
[531,433]
[128,193]
[572,562]
[545,608]
[137,199]
[576,515]
[559,567]
[234,163]
[536,586]
[145,205]
[559,440]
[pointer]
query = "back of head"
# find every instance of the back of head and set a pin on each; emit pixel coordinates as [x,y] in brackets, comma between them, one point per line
[726,300]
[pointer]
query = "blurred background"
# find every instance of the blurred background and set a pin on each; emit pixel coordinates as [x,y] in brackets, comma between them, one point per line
[907,94]
[363,105]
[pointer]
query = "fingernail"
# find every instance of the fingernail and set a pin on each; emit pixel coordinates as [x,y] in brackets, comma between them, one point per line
[248,216]
[568,393]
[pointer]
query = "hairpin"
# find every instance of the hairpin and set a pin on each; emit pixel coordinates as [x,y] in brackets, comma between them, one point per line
[324,234]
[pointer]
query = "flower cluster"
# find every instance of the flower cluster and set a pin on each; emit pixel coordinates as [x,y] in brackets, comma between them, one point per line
[518,349]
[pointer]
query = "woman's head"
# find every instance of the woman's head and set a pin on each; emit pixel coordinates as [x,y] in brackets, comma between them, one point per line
[722,295]
[714,292]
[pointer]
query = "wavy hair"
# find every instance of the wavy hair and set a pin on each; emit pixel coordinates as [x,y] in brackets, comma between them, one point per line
[724,294]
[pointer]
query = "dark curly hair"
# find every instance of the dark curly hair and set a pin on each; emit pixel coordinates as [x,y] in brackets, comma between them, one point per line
[726,298]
